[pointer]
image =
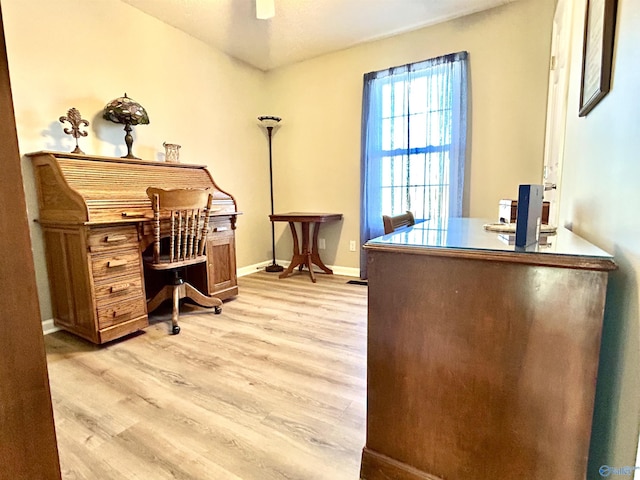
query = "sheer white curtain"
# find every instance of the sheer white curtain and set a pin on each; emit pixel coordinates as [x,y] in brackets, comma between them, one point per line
[414,130]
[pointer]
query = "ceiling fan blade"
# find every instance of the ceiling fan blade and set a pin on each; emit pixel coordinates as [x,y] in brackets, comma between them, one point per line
[265,9]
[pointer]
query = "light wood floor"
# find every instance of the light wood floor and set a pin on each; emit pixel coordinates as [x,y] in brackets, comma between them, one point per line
[272,388]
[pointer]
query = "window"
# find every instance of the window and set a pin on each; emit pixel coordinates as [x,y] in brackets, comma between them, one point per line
[413,142]
[416,138]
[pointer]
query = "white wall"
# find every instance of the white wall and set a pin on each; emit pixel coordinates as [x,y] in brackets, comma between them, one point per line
[599,201]
[76,53]
[317,150]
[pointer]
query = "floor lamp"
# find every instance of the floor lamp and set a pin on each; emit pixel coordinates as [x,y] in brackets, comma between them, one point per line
[269,122]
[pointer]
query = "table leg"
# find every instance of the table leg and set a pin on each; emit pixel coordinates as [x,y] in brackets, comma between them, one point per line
[306,252]
[304,232]
[298,259]
[315,255]
[303,254]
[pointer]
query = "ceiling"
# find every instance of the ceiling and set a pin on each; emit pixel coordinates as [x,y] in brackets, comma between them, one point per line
[301,29]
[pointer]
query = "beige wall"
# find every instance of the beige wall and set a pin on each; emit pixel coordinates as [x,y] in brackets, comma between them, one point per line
[76,53]
[66,54]
[599,200]
[317,150]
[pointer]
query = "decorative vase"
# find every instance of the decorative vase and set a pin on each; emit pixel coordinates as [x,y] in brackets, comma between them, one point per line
[172,152]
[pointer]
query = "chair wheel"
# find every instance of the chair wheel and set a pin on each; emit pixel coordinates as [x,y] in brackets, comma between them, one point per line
[176,329]
[218,310]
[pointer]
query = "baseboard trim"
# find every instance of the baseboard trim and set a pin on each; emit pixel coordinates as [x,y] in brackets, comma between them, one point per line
[249,269]
[346,271]
[48,327]
[337,269]
[376,466]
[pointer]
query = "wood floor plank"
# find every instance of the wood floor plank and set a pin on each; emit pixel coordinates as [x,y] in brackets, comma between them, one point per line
[273,388]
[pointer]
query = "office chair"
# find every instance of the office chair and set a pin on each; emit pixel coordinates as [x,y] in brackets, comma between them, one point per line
[392,223]
[181,223]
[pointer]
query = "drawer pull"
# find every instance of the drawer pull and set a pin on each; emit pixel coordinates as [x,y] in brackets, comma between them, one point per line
[117,314]
[120,288]
[118,262]
[115,238]
[220,229]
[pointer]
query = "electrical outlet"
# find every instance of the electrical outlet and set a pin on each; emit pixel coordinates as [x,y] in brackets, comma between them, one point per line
[322,244]
[352,246]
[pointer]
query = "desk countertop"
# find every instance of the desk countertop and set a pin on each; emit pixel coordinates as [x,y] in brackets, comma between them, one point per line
[466,237]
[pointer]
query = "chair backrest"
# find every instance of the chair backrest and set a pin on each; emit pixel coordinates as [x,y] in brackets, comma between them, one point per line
[182,216]
[391,224]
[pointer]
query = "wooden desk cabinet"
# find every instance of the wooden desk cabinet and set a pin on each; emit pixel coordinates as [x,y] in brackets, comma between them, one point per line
[94,214]
[96,280]
[221,259]
[482,361]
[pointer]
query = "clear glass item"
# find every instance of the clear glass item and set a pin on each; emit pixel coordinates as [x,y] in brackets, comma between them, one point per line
[172,152]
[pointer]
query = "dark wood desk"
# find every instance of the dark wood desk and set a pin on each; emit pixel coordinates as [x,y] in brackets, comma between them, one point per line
[481,360]
[305,256]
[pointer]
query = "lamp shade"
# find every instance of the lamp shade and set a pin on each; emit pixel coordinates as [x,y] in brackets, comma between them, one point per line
[125,110]
[269,121]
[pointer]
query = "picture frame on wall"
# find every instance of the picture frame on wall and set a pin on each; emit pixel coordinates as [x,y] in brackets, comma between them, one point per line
[597,53]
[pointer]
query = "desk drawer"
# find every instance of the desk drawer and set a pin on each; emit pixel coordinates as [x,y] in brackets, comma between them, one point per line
[116,264]
[219,225]
[108,238]
[119,312]
[118,289]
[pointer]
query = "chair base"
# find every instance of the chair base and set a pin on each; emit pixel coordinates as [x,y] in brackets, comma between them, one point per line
[177,292]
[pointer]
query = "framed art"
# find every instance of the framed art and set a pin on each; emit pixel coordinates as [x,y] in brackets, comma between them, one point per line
[597,53]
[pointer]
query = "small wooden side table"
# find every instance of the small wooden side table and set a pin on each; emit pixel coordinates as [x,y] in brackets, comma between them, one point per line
[306,256]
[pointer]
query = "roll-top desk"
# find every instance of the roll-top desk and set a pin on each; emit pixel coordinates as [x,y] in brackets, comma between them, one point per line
[482,360]
[95,216]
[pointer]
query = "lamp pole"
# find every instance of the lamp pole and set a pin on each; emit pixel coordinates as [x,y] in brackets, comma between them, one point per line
[270,122]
